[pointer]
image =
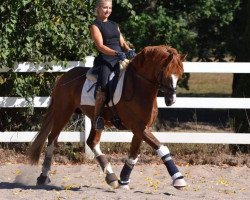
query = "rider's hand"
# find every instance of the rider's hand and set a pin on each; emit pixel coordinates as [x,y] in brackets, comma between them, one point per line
[130,54]
[121,55]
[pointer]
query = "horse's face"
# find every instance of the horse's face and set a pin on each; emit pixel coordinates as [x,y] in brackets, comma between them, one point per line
[170,76]
[168,87]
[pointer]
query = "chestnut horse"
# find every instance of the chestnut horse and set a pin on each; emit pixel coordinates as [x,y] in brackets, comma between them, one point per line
[154,68]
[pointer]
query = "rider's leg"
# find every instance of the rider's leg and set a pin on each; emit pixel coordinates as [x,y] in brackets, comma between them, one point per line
[101,95]
[99,105]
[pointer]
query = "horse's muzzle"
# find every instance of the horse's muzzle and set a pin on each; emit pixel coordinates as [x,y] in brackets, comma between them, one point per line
[170,100]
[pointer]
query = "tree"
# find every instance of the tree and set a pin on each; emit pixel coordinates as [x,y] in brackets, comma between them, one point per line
[196,27]
[241,82]
[42,31]
[39,31]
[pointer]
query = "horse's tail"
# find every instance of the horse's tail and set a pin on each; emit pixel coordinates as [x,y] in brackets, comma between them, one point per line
[36,148]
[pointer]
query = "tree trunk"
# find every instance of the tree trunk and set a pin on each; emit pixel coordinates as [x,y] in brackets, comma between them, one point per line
[241,85]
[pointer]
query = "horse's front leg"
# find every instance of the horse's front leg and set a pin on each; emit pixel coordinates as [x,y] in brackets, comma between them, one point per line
[130,162]
[94,144]
[164,153]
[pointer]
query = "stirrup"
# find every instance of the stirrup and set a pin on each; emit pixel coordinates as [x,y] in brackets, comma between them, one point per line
[99,123]
[116,121]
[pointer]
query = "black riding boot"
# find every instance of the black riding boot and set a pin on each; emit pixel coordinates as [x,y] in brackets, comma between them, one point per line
[99,105]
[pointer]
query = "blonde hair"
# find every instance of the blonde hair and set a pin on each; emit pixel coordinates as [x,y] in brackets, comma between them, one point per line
[100,2]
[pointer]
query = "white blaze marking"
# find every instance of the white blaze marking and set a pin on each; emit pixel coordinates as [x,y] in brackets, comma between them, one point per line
[174,82]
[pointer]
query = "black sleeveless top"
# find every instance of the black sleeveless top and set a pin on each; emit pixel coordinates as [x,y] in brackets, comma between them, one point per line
[111,39]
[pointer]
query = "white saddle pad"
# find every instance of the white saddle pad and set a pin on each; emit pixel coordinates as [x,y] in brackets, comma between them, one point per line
[87,97]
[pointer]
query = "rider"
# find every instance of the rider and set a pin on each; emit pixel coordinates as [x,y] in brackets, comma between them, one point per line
[111,47]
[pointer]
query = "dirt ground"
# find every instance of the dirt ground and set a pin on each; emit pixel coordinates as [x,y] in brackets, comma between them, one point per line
[149,181]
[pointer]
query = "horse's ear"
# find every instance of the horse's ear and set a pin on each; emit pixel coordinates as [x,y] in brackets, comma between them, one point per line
[184,56]
[169,58]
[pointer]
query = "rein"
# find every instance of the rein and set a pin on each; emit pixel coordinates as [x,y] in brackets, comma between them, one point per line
[66,83]
[143,78]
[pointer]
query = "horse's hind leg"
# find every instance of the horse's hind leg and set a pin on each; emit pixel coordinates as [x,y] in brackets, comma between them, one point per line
[130,162]
[44,179]
[164,153]
[93,142]
[61,118]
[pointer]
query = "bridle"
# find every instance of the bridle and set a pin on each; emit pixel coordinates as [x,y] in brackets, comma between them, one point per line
[165,89]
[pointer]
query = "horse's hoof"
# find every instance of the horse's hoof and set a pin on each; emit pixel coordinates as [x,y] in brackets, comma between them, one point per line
[179,183]
[124,187]
[112,180]
[114,184]
[43,180]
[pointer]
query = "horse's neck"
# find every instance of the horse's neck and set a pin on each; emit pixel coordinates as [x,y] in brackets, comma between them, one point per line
[139,94]
[147,72]
[136,81]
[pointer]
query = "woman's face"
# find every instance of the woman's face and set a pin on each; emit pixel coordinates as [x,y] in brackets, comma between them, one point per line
[104,10]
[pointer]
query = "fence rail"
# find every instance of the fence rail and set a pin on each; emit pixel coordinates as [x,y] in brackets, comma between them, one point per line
[165,137]
[182,102]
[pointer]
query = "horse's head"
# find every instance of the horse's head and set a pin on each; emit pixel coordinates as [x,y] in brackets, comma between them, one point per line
[169,75]
[162,65]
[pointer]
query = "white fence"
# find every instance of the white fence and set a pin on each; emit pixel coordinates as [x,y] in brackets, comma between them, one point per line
[164,137]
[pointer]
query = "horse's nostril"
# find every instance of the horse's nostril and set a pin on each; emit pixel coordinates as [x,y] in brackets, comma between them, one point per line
[168,103]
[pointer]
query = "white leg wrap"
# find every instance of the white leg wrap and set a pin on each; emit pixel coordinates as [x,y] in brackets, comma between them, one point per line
[162,151]
[49,151]
[108,169]
[47,160]
[176,175]
[97,150]
[132,161]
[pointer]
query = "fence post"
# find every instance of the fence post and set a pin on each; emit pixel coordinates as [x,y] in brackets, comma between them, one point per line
[88,152]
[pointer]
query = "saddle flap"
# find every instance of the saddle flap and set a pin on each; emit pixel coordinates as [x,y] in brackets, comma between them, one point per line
[92,74]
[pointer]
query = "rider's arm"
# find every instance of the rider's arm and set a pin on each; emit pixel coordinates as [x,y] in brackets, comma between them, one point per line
[123,43]
[97,38]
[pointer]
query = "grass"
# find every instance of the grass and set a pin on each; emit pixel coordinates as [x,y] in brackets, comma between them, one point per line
[200,120]
[211,85]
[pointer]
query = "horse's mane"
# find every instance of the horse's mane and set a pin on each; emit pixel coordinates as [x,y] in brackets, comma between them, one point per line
[158,55]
